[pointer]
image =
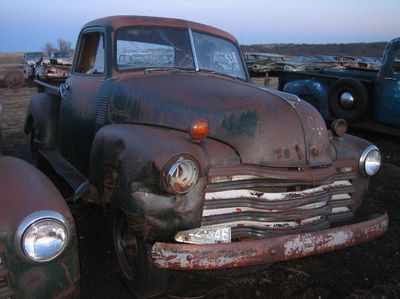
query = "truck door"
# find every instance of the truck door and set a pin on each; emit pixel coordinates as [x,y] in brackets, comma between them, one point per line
[387,91]
[80,94]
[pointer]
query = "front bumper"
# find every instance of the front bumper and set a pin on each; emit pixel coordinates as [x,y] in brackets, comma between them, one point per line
[264,251]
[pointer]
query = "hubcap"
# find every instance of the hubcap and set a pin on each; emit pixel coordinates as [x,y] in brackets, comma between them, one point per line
[346,100]
[125,246]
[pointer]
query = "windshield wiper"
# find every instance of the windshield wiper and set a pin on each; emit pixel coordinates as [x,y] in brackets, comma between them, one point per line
[219,73]
[168,69]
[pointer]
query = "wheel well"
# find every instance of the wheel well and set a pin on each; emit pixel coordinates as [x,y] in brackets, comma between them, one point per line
[309,98]
[28,124]
[110,179]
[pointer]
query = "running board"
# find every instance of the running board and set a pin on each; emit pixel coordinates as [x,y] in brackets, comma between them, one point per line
[78,182]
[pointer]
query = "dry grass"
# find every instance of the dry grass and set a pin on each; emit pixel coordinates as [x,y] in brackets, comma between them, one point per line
[11,58]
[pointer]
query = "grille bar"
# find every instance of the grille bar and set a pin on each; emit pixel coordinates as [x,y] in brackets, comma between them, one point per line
[264,209]
[291,215]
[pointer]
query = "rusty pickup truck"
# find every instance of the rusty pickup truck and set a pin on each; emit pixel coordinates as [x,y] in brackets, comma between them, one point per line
[38,246]
[198,168]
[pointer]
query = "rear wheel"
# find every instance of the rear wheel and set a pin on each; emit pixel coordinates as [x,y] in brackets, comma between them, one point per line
[348,99]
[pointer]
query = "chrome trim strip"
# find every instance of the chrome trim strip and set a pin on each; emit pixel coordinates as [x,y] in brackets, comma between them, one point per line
[363,157]
[196,63]
[289,98]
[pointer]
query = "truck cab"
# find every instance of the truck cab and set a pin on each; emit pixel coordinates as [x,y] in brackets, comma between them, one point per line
[387,90]
[199,169]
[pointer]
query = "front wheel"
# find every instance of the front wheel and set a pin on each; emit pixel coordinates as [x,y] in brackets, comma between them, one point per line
[139,275]
[34,151]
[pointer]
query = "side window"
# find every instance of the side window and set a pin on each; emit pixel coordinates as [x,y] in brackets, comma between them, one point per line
[91,54]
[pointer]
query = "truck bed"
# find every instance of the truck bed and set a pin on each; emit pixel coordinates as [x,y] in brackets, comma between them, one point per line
[356,73]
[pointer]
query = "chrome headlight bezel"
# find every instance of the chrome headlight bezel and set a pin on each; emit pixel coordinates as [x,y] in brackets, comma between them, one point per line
[35,219]
[364,170]
[185,163]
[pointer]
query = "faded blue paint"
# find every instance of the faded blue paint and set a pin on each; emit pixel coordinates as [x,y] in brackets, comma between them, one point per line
[316,89]
[387,91]
[383,86]
[387,104]
[243,124]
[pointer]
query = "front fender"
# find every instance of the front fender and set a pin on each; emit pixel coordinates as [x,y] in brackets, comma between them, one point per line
[139,153]
[23,191]
[43,116]
[350,148]
[316,89]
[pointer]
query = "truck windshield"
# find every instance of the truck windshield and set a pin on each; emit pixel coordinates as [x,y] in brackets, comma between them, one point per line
[218,55]
[34,56]
[61,55]
[161,47]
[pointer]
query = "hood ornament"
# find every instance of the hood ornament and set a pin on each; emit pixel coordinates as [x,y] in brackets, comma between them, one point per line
[291,99]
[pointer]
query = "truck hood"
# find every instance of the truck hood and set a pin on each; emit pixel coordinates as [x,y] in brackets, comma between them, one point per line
[264,126]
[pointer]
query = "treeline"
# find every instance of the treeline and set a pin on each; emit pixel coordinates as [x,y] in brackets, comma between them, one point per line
[351,49]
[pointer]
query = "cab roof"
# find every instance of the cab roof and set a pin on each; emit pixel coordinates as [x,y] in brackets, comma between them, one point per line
[116,22]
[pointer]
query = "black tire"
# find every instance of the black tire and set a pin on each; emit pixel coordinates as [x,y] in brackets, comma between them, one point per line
[351,110]
[34,151]
[133,256]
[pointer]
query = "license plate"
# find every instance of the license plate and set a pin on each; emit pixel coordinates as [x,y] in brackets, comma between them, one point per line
[205,235]
[220,235]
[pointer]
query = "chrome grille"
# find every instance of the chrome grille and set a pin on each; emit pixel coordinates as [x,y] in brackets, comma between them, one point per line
[259,207]
[5,288]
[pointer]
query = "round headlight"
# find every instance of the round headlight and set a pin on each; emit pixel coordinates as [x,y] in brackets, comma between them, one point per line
[182,175]
[370,161]
[42,236]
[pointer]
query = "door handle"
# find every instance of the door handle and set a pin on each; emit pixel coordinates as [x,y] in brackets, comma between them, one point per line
[64,88]
[390,78]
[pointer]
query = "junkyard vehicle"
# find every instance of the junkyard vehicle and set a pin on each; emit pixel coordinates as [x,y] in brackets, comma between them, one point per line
[261,63]
[38,246]
[305,63]
[57,67]
[199,169]
[51,72]
[61,58]
[29,61]
[353,94]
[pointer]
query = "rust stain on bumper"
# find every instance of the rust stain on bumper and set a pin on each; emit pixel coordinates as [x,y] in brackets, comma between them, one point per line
[264,251]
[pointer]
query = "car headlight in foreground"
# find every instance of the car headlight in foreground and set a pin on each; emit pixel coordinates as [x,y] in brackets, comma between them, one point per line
[181,175]
[42,236]
[370,161]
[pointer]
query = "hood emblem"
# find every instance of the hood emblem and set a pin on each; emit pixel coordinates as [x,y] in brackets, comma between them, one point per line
[291,99]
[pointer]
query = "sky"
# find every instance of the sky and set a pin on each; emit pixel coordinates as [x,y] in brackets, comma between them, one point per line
[26,25]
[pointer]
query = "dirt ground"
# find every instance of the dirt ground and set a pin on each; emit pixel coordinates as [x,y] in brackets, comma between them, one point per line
[370,270]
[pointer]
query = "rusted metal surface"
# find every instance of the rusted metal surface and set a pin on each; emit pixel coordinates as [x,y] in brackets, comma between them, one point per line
[52,72]
[23,191]
[17,192]
[116,22]
[179,100]
[264,251]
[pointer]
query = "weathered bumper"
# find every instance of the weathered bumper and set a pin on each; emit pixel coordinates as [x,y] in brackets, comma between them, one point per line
[264,251]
